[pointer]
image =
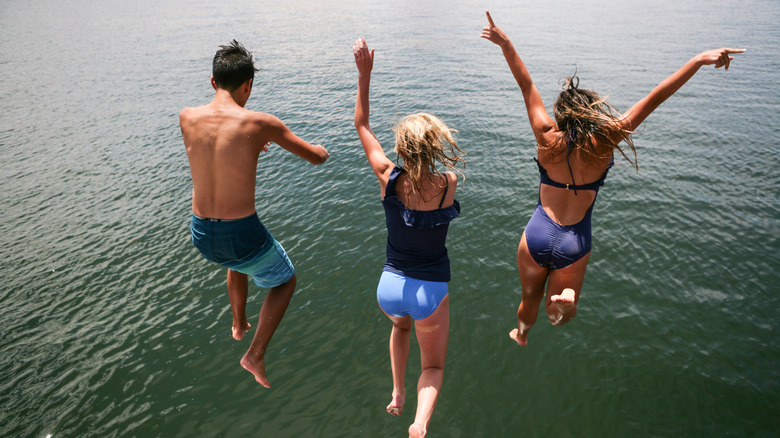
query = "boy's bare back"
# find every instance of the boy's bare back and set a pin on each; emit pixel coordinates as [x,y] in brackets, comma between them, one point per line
[223,142]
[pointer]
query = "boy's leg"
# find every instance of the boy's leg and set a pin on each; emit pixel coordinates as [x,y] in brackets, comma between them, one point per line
[271,315]
[238,288]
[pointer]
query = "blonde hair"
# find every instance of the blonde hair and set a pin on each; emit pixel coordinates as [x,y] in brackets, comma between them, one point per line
[420,141]
[583,116]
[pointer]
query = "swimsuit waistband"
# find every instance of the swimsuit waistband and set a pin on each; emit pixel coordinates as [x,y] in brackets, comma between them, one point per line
[208,219]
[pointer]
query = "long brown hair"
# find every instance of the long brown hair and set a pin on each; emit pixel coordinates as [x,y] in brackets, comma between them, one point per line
[421,140]
[589,124]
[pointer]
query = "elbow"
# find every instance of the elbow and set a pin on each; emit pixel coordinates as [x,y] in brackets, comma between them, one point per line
[363,128]
[361,117]
[360,121]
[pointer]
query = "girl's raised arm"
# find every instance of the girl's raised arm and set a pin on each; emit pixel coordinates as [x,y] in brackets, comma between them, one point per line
[541,122]
[380,164]
[638,113]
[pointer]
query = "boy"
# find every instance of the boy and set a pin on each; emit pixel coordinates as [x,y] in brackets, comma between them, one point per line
[223,142]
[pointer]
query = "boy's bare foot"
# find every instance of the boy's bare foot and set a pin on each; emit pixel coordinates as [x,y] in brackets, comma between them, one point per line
[396,406]
[257,368]
[416,431]
[238,332]
[562,304]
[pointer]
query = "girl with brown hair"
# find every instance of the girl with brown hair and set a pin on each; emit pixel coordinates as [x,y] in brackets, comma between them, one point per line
[574,153]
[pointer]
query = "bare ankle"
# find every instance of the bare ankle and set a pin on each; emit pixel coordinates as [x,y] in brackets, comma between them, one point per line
[417,430]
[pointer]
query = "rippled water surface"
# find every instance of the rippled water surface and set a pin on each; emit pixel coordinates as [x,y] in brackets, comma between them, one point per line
[113,325]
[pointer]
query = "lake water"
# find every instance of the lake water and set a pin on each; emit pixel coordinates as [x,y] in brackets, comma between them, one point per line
[114,326]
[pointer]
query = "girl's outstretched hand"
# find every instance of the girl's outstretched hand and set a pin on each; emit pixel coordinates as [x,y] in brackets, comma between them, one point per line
[718,57]
[363,58]
[492,33]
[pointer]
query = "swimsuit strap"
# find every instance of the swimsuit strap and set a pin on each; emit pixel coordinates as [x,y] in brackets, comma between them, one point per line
[392,180]
[568,152]
[545,179]
[447,186]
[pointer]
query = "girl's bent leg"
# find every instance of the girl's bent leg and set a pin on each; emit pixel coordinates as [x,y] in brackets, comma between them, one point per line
[532,280]
[563,291]
[433,336]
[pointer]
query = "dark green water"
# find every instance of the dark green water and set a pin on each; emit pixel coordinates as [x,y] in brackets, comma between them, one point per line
[113,325]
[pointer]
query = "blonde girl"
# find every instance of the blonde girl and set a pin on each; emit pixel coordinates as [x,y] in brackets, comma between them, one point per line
[419,203]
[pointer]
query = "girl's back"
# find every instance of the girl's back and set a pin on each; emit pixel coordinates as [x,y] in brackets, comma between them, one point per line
[564,206]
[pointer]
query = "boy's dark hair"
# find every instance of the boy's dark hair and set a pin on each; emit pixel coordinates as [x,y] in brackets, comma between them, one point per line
[233,65]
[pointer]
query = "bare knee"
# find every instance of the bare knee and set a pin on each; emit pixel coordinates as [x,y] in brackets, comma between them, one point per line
[559,317]
[530,299]
[402,326]
[433,368]
[291,282]
[533,295]
[529,305]
[286,288]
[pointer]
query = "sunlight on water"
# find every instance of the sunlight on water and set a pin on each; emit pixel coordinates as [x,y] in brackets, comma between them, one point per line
[113,325]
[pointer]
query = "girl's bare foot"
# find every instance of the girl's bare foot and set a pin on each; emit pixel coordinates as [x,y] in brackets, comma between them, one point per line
[566,297]
[238,332]
[396,406]
[522,340]
[416,431]
[520,334]
[257,368]
[562,306]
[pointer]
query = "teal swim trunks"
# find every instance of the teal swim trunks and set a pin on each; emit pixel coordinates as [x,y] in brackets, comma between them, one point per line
[243,245]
